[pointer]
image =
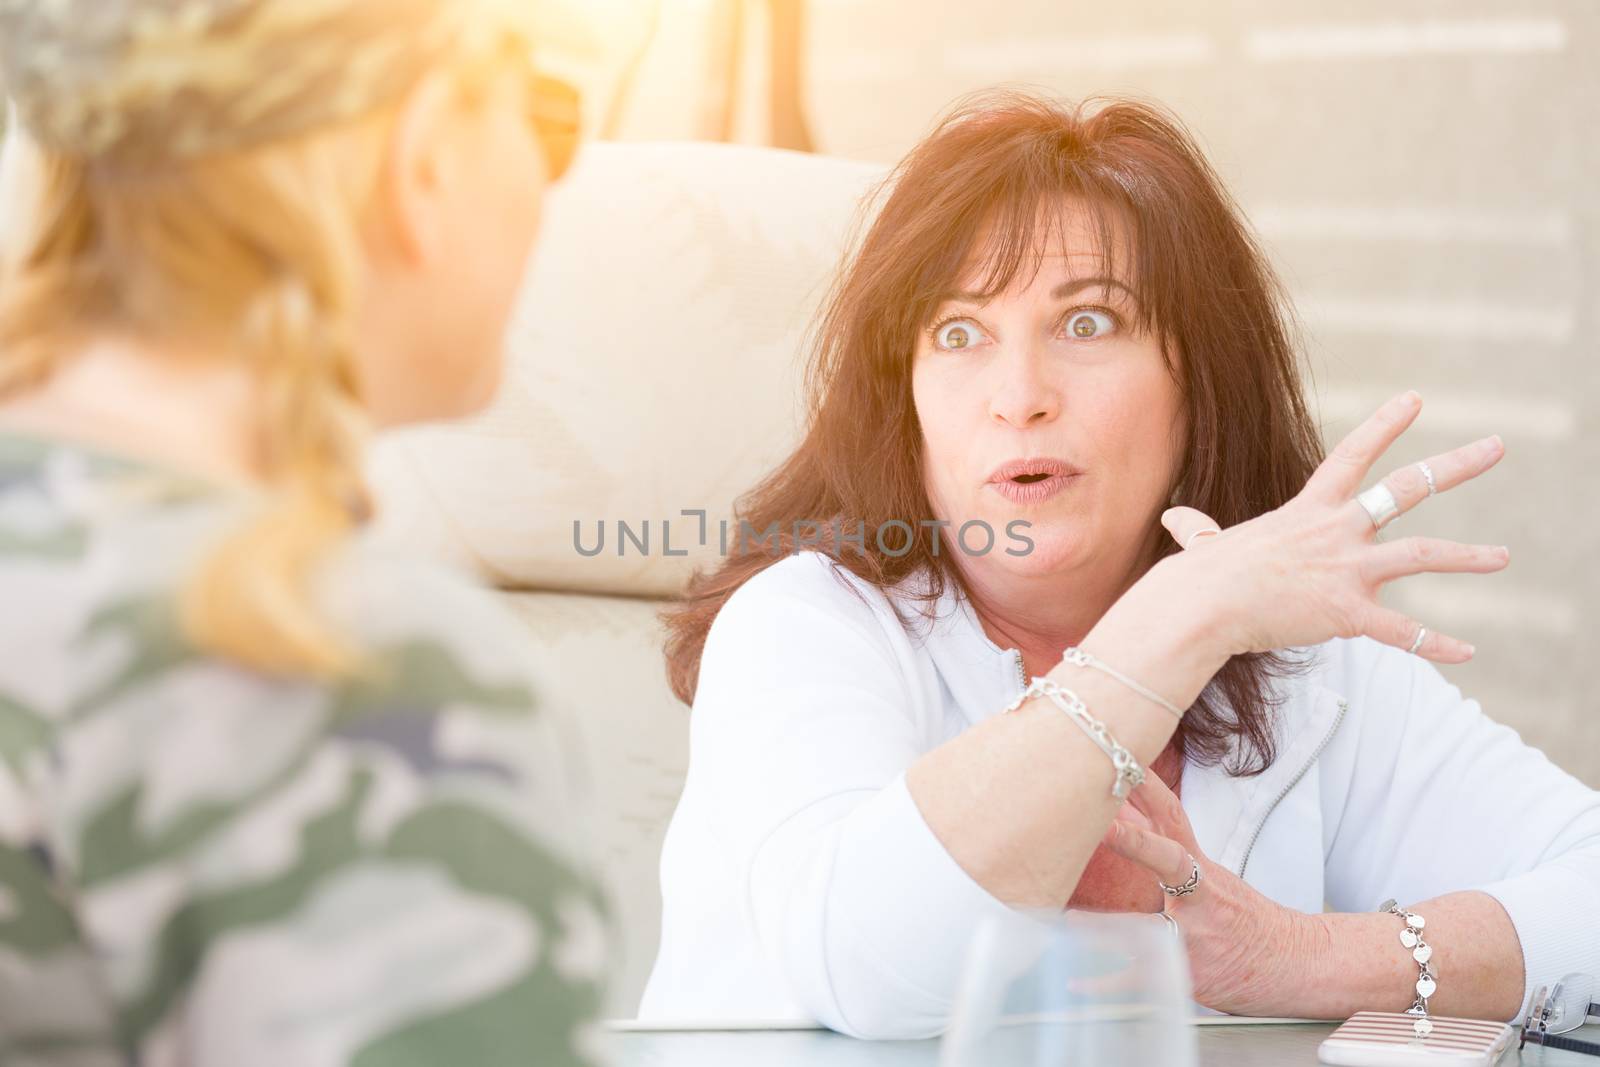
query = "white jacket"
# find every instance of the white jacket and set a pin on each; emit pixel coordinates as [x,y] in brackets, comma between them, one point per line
[800,882]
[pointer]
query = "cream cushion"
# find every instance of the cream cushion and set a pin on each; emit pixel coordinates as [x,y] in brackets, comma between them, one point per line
[655,366]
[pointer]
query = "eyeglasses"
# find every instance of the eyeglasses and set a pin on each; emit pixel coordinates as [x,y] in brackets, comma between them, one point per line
[556,109]
[1563,1007]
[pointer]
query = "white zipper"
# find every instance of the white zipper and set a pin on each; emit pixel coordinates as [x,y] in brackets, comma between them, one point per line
[1344,706]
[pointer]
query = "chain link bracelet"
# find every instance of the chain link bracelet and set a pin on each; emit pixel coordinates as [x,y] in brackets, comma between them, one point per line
[1129,773]
[1079,658]
[1422,952]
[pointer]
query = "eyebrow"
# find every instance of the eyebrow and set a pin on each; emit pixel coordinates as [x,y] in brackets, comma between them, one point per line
[1060,292]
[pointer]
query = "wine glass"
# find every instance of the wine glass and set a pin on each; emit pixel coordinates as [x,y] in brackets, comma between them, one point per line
[1061,990]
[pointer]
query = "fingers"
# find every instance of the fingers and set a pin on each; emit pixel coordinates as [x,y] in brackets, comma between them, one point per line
[1409,484]
[1341,474]
[1165,858]
[1131,814]
[1186,524]
[1418,555]
[1161,806]
[1400,630]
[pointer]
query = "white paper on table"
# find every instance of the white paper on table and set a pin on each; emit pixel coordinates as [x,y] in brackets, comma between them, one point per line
[689,1025]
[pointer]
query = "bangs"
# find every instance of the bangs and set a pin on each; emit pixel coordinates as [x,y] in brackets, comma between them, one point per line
[1020,225]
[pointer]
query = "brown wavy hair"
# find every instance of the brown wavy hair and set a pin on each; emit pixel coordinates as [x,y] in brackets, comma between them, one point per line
[1203,286]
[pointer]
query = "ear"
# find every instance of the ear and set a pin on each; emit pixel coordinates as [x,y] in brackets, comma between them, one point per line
[417,171]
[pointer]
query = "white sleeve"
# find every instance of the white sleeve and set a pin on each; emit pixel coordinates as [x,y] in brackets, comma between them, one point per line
[1442,798]
[805,721]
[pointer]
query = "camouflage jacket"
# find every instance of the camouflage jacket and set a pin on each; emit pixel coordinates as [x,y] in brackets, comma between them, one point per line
[199,865]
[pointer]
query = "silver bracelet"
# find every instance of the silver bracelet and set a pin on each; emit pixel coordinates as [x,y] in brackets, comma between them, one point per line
[1422,952]
[1129,773]
[1079,658]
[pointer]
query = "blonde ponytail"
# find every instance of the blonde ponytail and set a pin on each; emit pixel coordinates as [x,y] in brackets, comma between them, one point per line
[261,250]
[49,234]
[252,599]
[248,600]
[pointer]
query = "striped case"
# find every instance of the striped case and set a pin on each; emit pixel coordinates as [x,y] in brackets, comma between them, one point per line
[1387,1039]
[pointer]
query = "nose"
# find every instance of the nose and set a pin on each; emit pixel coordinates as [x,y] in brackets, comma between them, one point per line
[1022,393]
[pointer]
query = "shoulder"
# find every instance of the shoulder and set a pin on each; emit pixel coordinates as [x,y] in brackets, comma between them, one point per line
[805,619]
[404,611]
[450,686]
[1356,692]
[810,596]
[1393,701]
[109,696]
[99,548]
[814,578]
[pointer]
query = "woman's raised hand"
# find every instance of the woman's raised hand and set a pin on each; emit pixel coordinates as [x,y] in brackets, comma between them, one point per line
[1311,570]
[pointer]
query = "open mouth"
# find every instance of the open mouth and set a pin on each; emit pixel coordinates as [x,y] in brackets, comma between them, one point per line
[1035,477]
[1033,480]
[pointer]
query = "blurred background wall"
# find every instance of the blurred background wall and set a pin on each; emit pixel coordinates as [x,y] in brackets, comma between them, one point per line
[1423,173]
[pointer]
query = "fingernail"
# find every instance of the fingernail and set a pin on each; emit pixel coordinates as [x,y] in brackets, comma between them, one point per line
[1504,552]
[1471,651]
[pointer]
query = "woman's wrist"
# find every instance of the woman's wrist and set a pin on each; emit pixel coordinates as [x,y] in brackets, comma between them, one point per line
[1362,965]
[1167,631]
[1207,596]
[1257,957]
[1352,963]
[1311,977]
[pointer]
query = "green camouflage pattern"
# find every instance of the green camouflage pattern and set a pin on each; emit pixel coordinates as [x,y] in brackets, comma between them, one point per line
[200,865]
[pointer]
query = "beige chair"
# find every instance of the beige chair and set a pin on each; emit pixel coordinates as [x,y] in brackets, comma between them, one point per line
[655,368]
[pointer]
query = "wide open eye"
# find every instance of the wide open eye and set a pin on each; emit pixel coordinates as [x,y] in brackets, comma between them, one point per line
[956,334]
[1086,325]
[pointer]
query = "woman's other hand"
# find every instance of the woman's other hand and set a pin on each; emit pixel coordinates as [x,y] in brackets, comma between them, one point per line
[1311,570]
[1242,946]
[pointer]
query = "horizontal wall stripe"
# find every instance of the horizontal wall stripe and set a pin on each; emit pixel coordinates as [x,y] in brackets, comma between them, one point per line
[1457,607]
[1510,36]
[1468,415]
[1482,319]
[1381,223]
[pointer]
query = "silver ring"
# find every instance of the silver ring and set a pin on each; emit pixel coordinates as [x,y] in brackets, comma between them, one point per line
[1422,631]
[1379,504]
[1427,473]
[1186,888]
[1199,534]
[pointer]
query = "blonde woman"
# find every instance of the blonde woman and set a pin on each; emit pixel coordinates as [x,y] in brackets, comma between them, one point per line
[267,796]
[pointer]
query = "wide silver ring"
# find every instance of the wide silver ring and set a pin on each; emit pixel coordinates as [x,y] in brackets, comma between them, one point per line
[1427,474]
[1186,888]
[1379,504]
[1422,631]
